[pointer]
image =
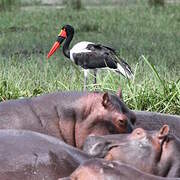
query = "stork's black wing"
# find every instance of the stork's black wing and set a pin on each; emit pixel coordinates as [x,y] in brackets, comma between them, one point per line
[101,47]
[99,57]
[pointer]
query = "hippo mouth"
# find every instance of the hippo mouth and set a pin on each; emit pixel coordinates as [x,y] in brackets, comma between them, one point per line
[111,146]
[118,149]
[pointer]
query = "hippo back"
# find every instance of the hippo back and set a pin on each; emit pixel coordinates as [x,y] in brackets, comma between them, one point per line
[30,155]
[154,121]
[114,170]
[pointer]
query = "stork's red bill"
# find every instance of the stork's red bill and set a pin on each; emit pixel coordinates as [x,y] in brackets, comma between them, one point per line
[62,35]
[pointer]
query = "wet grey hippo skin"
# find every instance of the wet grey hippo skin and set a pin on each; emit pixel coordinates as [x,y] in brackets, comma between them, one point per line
[153,121]
[28,155]
[97,169]
[154,152]
[70,116]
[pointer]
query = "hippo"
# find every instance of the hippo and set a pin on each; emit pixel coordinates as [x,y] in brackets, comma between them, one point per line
[154,152]
[153,121]
[70,116]
[99,169]
[28,155]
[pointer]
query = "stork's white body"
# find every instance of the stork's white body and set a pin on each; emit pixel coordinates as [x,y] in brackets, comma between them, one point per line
[79,48]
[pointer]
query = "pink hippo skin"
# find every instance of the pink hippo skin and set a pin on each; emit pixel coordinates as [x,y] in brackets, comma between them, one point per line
[70,116]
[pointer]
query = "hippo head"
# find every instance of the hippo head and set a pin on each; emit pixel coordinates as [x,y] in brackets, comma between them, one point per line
[145,150]
[107,115]
[117,113]
[149,151]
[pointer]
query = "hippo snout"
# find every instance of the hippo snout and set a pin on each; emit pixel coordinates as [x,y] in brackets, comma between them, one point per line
[99,146]
[96,146]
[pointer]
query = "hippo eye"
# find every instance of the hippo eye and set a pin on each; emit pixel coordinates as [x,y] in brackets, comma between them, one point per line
[121,122]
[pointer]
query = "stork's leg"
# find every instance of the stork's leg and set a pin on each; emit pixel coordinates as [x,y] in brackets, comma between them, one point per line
[85,78]
[95,76]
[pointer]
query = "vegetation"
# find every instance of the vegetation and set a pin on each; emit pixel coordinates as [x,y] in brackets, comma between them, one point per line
[148,38]
[75,4]
[157,2]
[9,4]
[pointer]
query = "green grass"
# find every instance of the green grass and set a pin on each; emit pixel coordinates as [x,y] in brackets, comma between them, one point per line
[148,38]
[9,4]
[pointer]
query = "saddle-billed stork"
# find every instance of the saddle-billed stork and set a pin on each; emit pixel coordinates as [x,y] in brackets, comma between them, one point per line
[89,55]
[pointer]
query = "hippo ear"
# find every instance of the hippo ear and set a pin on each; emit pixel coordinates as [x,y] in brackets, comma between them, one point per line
[163,132]
[119,93]
[105,99]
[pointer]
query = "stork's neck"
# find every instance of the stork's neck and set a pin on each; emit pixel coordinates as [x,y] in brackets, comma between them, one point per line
[66,50]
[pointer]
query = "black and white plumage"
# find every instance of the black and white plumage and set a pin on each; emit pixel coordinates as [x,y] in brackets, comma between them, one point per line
[89,55]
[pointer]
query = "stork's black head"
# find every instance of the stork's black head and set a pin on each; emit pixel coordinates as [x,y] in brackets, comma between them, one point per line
[68,29]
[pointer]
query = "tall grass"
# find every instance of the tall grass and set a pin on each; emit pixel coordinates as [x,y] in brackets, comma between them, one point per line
[155,94]
[37,75]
